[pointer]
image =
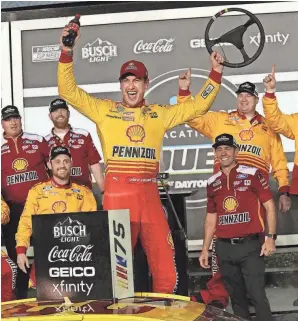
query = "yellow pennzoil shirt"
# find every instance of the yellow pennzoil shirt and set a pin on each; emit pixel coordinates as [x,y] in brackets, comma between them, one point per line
[259,146]
[50,198]
[131,138]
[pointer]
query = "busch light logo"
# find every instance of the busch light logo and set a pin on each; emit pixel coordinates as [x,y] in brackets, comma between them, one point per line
[69,231]
[161,45]
[99,51]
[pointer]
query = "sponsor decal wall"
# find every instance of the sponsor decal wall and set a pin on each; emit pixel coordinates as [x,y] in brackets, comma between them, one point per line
[168,44]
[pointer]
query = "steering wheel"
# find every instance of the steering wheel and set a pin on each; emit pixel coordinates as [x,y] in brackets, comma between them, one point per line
[235,37]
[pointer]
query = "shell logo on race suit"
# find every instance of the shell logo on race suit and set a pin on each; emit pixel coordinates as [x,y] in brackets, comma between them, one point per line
[59,207]
[230,204]
[246,134]
[20,164]
[135,133]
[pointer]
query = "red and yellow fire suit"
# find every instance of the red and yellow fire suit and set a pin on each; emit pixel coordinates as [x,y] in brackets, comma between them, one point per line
[50,198]
[131,139]
[286,125]
[8,267]
[259,146]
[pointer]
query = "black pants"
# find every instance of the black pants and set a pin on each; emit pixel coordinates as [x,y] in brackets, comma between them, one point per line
[243,271]
[9,232]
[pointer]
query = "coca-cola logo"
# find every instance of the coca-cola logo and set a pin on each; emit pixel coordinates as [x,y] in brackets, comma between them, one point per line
[80,253]
[161,45]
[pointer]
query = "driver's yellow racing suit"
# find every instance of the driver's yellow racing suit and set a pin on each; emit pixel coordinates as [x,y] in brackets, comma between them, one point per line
[131,139]
[286,125]
[50,198]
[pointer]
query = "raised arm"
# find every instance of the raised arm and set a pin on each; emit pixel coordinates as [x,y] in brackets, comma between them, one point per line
[184,112]
[90,106]
[278,121]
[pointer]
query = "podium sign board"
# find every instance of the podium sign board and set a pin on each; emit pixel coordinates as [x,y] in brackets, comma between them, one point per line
[83,256]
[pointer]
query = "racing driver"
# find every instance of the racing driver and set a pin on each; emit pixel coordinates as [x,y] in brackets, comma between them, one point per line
[58,195]
[131,135]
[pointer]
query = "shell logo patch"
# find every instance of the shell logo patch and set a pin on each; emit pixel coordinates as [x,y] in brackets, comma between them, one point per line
[20,164]
[135,133]
[246,134]
[59,207]
[230,204]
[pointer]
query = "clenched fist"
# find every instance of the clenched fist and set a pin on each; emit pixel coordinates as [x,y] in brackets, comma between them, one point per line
[217,62]
[65,32]
[185,80]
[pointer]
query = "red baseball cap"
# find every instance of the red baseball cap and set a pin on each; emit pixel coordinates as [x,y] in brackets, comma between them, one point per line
[134,67]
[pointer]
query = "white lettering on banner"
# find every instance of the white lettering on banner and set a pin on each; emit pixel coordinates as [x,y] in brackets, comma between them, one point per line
[72,287]
[80,253]
[99,51]
[191,184]
[73,308]
[45,53]
[69,230]
[161,45]
[76,271]
[200,43]
[280,38]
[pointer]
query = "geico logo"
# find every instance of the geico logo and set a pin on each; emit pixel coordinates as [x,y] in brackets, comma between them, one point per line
[77,271]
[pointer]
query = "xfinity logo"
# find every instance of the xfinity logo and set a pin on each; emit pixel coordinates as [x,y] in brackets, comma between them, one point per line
[275,38]
[99,51]
[280,38]
[161,45]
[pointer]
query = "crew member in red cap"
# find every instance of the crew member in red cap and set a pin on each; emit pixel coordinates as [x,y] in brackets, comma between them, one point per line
[131,135]
[23,158]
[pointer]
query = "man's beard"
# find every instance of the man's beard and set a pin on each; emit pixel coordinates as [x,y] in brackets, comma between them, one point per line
[65,176]
[61,124]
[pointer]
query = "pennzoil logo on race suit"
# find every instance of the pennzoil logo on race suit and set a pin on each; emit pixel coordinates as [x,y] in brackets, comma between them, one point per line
[21,178]
[246,134]
[230,219]
[76,171]
[250,149]
[230,204]
[136,133]
[134,152]
[59,207]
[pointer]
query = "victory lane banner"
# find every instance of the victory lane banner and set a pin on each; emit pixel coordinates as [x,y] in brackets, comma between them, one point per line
[83,256]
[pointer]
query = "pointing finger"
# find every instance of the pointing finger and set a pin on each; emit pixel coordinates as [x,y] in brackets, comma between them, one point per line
[273,70]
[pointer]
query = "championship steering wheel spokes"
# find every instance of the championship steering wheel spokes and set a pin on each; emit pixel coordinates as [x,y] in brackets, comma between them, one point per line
[235,37]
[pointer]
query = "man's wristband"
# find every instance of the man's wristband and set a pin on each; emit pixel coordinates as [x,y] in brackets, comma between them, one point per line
[272,236]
